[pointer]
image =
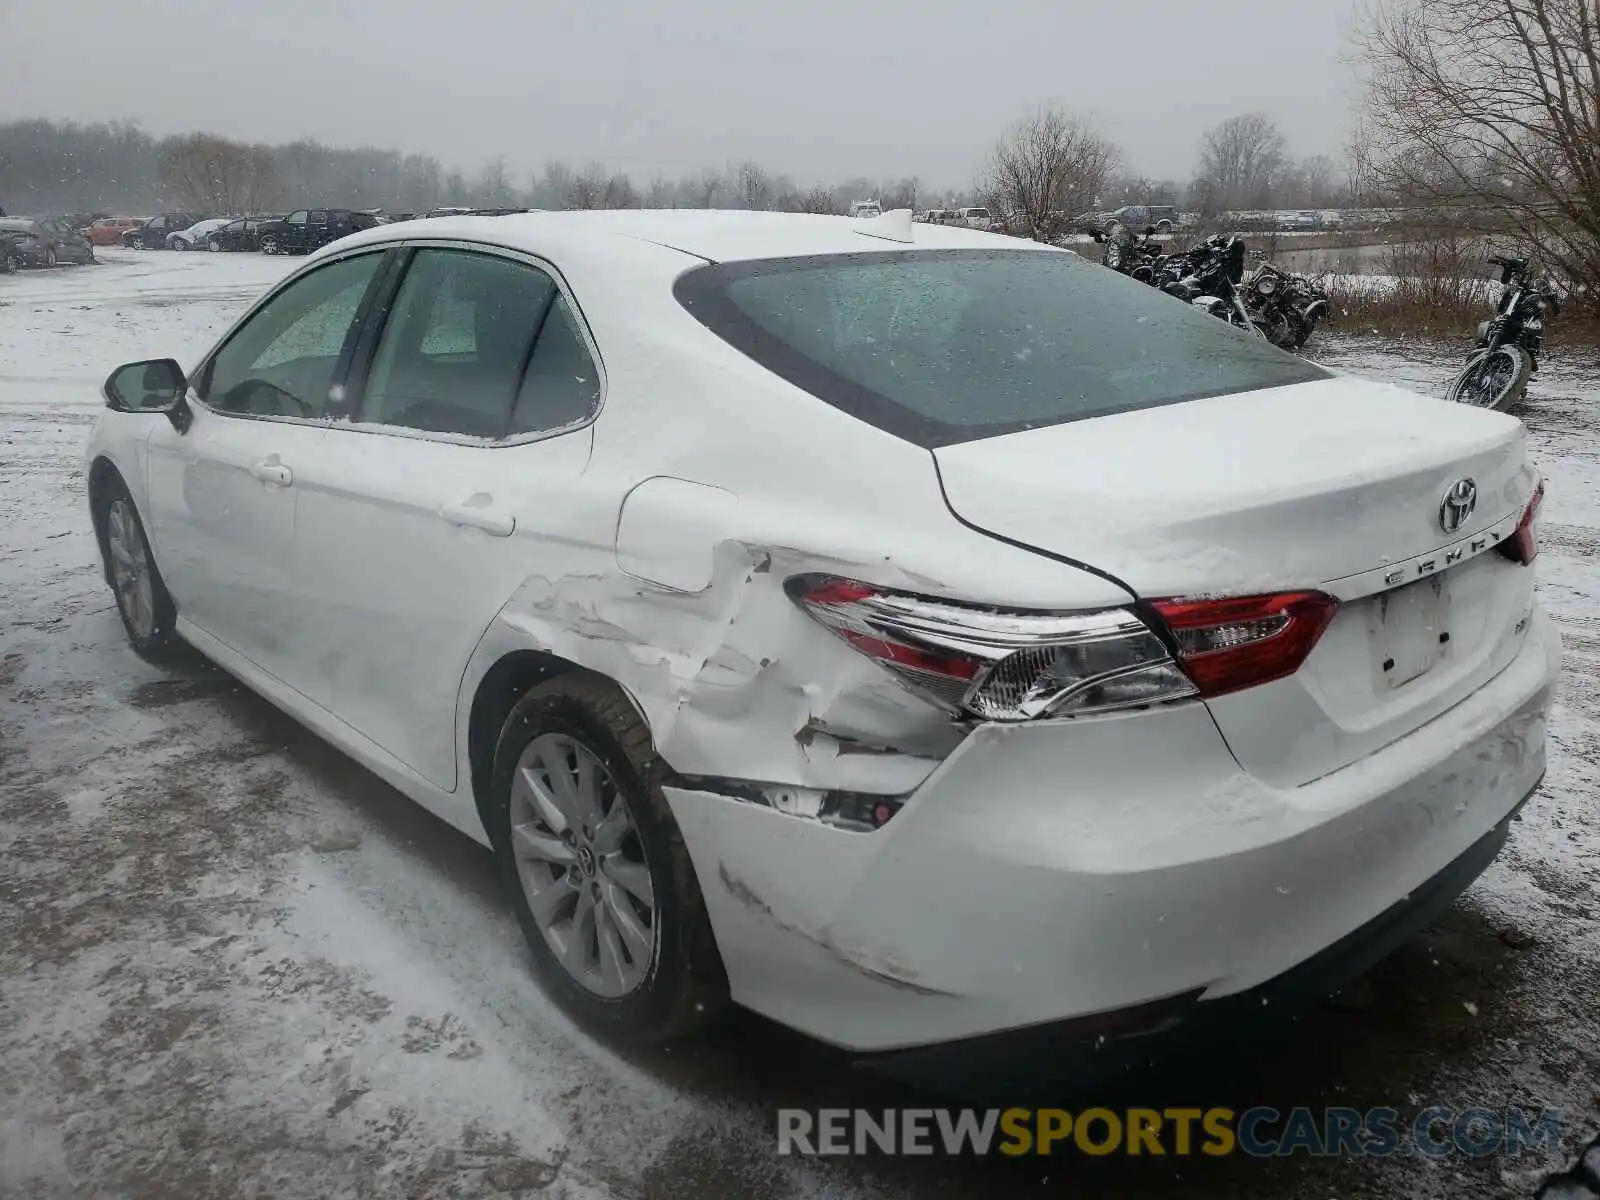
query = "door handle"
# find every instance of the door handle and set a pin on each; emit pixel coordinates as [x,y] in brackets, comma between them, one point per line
[270,470]
[475,513]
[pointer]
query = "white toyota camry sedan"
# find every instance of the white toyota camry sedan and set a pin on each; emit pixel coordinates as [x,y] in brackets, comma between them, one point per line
[933,641]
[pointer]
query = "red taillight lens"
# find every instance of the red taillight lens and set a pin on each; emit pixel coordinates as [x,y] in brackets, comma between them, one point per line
[1523,544]
[999,664]
[1229,644]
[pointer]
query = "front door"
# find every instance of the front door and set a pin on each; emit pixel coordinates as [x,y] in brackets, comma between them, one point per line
[461,479]
[294,231]
[223,495]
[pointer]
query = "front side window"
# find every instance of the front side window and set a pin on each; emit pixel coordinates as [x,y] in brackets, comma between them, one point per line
[285,360]
[296,218]
[948,346]
[479,346]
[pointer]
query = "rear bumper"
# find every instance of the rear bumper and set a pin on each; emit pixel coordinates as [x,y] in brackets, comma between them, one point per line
[1092,1051]
[1048,872]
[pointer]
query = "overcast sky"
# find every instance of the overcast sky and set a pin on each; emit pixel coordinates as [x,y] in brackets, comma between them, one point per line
[820,89]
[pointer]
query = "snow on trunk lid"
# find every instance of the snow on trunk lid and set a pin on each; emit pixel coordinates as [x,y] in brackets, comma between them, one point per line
[1336,485]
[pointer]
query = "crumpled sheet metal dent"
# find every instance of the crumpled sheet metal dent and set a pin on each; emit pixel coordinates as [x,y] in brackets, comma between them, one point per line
[734,681]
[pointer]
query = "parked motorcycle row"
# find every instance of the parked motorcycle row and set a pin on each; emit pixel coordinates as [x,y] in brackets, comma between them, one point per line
[1282,307]
[1285,308]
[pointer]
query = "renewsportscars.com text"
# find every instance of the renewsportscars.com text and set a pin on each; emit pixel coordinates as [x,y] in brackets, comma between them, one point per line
[1262,1132]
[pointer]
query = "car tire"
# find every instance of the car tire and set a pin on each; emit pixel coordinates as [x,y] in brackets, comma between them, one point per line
[143,602]
[631,839]
[136,243]
[212,246]
[269,245]
[49,257]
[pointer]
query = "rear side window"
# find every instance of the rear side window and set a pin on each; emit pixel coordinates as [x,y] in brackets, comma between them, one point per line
[482,346]
[939,347]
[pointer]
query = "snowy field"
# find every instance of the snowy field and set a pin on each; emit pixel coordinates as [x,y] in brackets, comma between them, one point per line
[233,964]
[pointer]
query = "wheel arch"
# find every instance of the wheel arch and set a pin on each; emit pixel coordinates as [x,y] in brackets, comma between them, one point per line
[103,475]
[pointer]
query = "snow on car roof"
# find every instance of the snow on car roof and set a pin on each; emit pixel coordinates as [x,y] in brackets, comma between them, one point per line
[720,236]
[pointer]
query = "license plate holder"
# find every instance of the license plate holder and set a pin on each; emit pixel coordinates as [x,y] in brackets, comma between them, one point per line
[1410,630]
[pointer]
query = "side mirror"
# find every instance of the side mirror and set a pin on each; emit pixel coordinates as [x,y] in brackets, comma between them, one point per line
[154,386]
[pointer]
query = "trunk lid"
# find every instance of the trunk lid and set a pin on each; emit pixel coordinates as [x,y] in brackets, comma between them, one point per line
[1335,484]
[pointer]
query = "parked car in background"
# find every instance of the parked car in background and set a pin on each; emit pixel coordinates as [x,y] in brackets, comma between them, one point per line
[1304,221]
[974,218]
[866,209]
[108,231]
[197,236]
[152,235]
[447,210]
[308,229]
[41,242]
[241,233]
[1163,218]
[80,220]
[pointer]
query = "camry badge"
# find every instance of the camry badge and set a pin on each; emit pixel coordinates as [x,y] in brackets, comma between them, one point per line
[1457,505]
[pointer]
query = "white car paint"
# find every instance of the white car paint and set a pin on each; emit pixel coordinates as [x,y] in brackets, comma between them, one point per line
[194,237]
[367,580]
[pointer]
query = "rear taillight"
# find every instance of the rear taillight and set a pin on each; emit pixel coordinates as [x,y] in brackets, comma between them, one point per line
[1240,641]
[995,664]
[1523,544]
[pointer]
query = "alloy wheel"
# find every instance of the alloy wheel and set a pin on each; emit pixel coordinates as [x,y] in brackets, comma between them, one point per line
[130,568]
[581,866]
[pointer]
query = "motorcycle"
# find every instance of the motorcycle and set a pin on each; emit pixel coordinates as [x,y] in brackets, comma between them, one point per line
[1124,251]
[1215,269]
[1288,306]
[1506,354]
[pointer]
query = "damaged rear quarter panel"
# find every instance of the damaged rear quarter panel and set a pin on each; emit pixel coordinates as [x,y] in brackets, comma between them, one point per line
[764,482]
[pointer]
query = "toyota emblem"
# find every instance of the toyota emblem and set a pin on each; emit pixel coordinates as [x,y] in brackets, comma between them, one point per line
[1457,505]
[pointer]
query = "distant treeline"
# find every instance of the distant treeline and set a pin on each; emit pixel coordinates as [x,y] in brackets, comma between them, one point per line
[117,167]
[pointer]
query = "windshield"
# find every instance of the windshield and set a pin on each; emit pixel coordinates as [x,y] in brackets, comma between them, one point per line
[949,346]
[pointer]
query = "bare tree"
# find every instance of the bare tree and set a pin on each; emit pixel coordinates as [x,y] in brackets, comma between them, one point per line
[754,184]
[1242,158]
[660,194]
[586,189]
[707,185]
[1317,174]
[819,200]
[900,194]
[1048,166]
[619,192]
[215,175]
[1493,107]
[494,188]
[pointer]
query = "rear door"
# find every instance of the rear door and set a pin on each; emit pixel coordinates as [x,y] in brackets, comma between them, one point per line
[318,231]
[457,482]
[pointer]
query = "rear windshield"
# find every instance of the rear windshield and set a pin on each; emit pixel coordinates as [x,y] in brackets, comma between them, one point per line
[945,346]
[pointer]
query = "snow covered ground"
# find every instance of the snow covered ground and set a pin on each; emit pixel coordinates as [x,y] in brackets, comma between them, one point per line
[234,964]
